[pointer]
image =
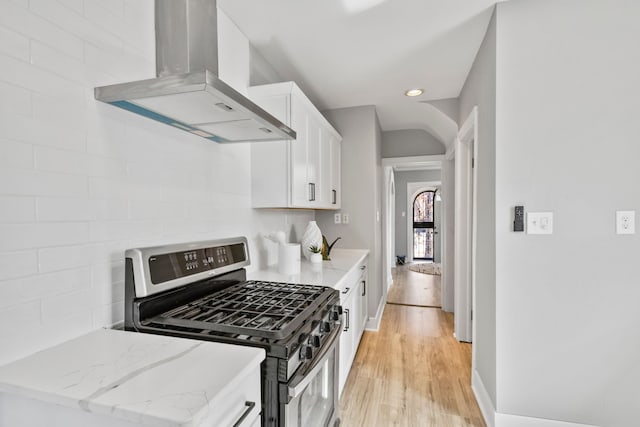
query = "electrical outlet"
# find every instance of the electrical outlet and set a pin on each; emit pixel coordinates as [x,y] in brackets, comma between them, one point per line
[345,218]
[337,218]
[626,222]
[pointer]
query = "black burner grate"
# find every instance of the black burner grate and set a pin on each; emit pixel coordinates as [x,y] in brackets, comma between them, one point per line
[254,308]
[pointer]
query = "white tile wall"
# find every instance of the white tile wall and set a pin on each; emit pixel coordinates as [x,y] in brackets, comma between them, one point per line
[81,181]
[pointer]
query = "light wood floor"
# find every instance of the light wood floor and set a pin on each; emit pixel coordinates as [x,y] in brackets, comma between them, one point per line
[412,372]
[412,288]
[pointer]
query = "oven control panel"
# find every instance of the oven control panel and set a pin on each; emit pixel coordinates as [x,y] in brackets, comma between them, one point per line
[175,265]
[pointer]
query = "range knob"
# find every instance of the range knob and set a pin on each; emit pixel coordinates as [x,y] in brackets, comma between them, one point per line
[336,312]
[325,327]
[314,340]
[306,352]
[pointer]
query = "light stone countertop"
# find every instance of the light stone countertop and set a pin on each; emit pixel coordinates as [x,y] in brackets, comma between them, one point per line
[142,378]
[329,273]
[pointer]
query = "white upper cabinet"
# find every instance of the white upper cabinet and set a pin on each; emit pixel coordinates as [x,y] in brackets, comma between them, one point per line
[301,173]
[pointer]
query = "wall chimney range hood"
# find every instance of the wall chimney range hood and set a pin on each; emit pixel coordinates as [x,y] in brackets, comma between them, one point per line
[187,92]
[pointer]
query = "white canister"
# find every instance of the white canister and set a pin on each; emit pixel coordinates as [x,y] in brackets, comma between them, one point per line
[288,258]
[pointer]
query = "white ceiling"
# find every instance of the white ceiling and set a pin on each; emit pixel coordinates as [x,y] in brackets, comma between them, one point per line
[345,53]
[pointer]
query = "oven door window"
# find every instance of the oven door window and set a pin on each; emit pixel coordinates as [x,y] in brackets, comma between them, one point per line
[314,405]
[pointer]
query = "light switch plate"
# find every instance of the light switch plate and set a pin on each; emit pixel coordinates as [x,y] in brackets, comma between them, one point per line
[540,223]
[625,222]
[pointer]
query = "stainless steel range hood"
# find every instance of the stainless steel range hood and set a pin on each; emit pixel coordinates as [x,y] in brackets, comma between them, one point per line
[187,93]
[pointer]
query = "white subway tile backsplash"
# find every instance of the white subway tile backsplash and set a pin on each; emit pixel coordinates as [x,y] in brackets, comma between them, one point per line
[77,163]
[18,264]
[47,109]
[57,62]
[16,154]
[14,44]
[72,22]
[14,100]
[35,183]
[27,315]
[123,230]
[34,288]
[39,235]
[17,209]
[27,129]
[36,79]
[22,21]
[63,305]
[69,257]
[65,209]
[75,5]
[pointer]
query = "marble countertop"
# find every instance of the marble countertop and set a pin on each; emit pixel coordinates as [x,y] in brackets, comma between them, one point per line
[133,376]
[328,273]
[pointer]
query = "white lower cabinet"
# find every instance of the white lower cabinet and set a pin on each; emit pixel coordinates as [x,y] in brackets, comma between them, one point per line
[353,298]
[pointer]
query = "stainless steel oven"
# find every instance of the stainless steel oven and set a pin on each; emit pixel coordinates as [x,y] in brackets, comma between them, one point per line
[312,395]
[199,290]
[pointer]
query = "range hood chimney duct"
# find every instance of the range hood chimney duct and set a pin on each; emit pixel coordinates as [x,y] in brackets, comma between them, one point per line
[187,92]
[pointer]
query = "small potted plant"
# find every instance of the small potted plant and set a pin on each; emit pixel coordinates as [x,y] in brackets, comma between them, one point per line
[316,254]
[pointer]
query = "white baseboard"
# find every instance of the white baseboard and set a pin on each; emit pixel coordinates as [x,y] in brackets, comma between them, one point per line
[496,419]
[373,323]
[483,399]
[507,420]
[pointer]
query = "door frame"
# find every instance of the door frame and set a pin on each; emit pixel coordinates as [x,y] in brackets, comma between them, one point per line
[405,163]
[464,152]
[413,189]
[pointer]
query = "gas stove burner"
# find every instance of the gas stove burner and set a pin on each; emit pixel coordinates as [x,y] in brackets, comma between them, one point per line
[264,309]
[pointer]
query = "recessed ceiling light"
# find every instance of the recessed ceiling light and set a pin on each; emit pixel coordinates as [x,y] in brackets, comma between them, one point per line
[414,92]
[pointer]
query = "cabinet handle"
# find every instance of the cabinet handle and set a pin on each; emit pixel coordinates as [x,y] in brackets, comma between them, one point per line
[346,290]
[312,191]
[362,267]
[364,287]
[335,197]
[250,406]
[346,327]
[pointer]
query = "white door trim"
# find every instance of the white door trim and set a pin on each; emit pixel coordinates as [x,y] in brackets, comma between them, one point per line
[465,234]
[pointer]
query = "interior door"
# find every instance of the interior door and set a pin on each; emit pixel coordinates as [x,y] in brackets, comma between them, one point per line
[423,225]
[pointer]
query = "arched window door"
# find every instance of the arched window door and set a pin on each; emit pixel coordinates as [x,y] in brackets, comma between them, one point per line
[423,219]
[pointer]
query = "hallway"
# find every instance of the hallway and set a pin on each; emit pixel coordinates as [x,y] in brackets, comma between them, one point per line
[411,373]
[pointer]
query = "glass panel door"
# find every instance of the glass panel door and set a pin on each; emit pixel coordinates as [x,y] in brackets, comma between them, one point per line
[423,227]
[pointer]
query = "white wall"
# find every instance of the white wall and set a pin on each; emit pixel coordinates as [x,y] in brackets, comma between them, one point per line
[81,181]
[361,192]
[410,142]
[401,179]
[567,304]
[480,90]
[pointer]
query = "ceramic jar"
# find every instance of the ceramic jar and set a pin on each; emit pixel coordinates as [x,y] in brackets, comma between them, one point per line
[312,237]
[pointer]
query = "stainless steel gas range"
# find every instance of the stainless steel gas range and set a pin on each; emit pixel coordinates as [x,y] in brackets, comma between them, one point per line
[199,290]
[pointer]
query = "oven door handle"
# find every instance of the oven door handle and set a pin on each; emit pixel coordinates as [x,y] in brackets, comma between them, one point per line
[300,385]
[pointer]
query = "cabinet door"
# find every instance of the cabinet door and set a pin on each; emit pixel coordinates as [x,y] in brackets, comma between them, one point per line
[335,146]
[347,337]
[299,152]
[314,161]
[325,169]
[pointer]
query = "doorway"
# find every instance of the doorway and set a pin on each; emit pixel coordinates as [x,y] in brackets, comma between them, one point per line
[423,225]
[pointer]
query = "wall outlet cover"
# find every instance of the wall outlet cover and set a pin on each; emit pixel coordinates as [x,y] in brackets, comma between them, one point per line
[337,218]
[540,223]
[345,218]
[625,222]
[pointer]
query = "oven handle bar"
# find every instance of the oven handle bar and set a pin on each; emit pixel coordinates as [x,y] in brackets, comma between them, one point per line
[250,406]
[298,387]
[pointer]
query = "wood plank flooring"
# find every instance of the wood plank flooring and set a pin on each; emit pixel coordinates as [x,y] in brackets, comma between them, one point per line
[412,288]
[412,372]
